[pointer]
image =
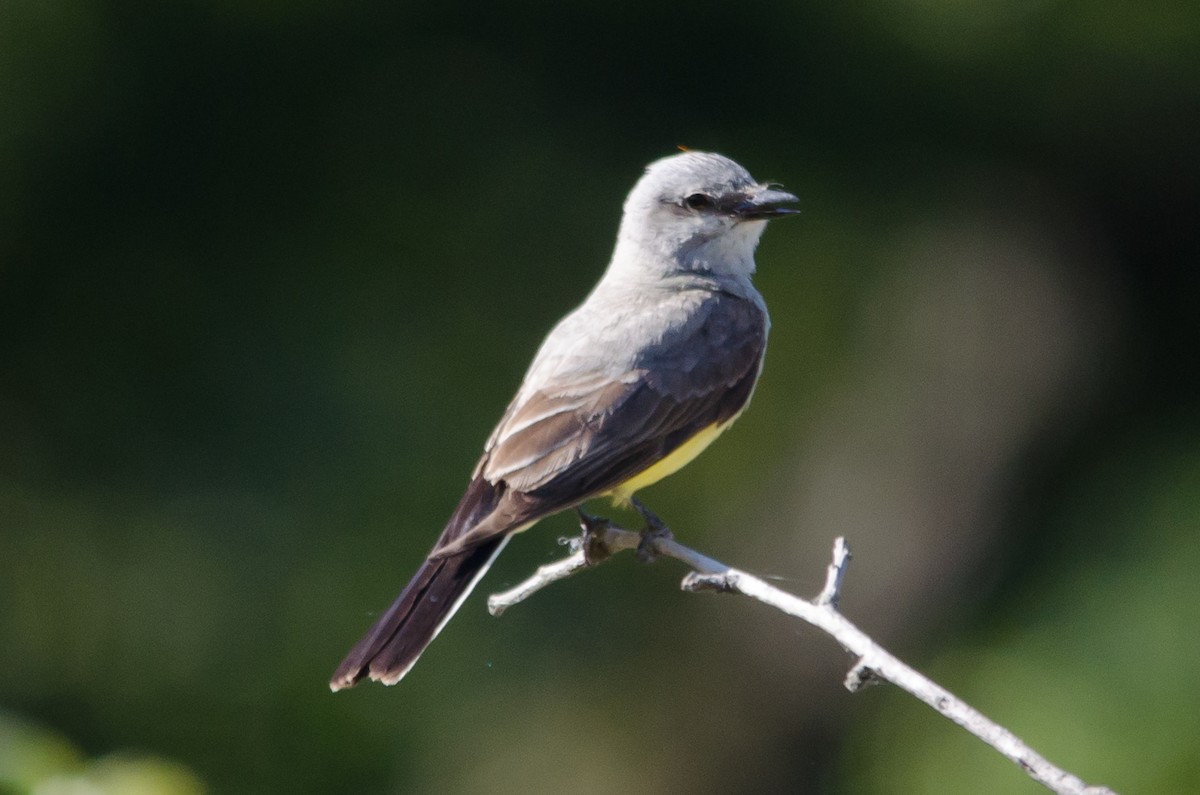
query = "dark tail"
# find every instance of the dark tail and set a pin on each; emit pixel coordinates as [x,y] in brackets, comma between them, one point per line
[430,599]
[390,649]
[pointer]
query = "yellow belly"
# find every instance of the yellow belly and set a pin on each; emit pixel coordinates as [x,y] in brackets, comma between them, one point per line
[679,458]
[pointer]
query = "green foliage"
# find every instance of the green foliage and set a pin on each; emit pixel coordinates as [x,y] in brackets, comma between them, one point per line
[39,762]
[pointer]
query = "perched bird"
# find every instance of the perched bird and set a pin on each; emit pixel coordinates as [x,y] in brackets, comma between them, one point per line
[659,359]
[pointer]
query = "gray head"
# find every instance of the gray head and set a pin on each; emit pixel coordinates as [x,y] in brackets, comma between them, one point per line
[696,211]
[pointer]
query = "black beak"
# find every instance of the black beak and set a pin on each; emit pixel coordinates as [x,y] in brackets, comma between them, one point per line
[764,203]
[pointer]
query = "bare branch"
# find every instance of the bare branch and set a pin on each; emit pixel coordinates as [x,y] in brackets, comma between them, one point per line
[874,663]
[835,573]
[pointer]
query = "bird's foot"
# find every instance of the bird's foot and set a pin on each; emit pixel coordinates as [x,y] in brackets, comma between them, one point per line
[654,531]
[594,545]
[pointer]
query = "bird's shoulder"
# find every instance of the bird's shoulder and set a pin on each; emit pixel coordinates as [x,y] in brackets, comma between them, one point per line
[700,342]
[622,326]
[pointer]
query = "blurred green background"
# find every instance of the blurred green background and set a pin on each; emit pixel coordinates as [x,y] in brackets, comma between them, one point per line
[270,271]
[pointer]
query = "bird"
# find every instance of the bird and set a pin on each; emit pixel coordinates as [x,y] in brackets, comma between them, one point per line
[659,359]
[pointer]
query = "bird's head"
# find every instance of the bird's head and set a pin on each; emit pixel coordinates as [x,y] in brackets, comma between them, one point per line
[701,211]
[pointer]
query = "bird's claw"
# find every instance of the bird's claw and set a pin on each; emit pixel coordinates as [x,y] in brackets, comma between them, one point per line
[594,545]
[655,530]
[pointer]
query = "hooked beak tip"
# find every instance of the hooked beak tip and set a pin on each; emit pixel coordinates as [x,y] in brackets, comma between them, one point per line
[765,204]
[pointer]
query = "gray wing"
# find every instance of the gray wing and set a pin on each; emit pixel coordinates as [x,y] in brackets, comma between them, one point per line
[580,437]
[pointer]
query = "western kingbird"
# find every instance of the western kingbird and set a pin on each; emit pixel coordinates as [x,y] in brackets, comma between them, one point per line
[659,359]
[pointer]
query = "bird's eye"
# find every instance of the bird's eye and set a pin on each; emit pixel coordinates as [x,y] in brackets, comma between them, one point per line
[698,201]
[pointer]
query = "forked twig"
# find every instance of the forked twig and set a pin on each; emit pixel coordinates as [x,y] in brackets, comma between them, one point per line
[874,663]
